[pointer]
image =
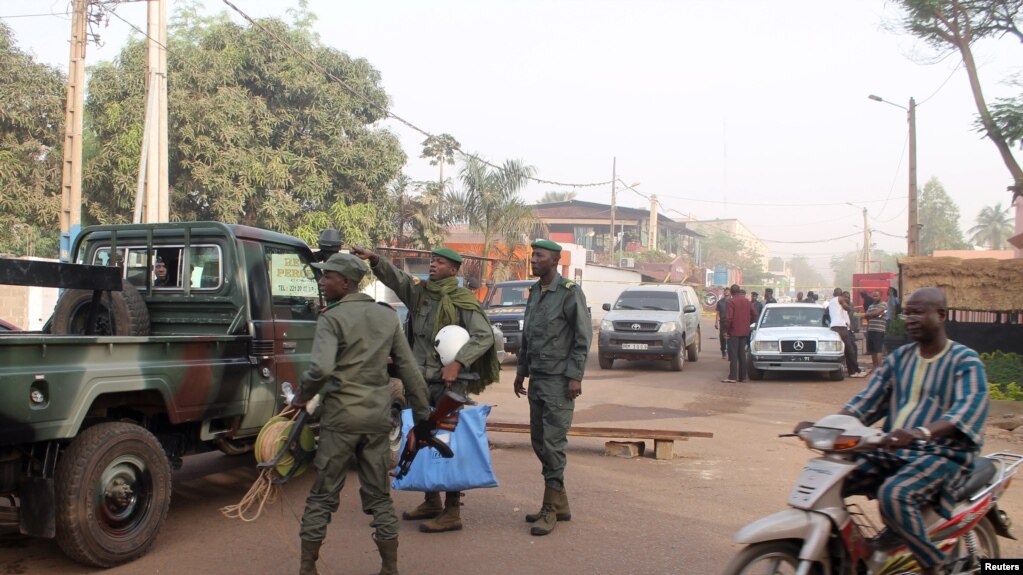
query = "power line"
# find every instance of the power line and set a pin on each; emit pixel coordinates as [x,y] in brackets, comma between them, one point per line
[809,241]
[775,204]
[380,108]
[60,14]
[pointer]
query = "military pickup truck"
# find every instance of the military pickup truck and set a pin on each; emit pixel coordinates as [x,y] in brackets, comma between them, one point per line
[168,340]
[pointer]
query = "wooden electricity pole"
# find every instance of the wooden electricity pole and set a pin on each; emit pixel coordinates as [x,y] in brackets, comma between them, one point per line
[153,197]
[71,173]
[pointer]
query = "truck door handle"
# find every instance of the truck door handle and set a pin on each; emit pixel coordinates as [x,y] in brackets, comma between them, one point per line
[290,346]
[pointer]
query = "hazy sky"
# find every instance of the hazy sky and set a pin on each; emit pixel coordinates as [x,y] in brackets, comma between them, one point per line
[742,109]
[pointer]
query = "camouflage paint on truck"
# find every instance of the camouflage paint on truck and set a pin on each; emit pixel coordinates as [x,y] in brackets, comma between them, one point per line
[90,425]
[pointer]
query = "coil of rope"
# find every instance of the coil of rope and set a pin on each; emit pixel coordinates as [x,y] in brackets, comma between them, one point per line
[271,441]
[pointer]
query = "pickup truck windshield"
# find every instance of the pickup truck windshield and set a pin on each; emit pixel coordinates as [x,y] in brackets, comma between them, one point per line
[509,296]
[793,316]
[661,301]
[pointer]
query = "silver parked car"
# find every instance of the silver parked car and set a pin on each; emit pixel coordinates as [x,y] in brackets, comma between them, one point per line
[792,337]
[651,322]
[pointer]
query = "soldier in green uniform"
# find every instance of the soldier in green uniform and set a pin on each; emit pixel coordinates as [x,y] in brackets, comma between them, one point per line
[354,338]
[556,338]
[432,305]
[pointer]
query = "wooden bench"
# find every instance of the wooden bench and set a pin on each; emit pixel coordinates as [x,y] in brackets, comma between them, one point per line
[664,439]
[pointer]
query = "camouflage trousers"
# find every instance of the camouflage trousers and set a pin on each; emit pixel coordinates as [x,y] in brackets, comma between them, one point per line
[550,416]
[333,459]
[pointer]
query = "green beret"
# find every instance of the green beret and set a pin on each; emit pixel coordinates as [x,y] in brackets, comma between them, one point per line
[347,265]
[447,253]
[546,244]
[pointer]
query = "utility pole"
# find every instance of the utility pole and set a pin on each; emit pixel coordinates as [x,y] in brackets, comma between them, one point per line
[614,181]
[914,228]
[71,174]
[866,244]
[652,238]
[153,199]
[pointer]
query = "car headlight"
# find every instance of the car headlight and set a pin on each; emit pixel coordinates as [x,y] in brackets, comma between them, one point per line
[832,346]
[762,345]
[668,327]
[607,325]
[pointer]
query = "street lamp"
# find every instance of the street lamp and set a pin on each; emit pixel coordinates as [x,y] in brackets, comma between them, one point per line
[914,228]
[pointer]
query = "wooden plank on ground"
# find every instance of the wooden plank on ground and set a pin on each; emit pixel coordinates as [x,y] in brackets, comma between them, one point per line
[655,434]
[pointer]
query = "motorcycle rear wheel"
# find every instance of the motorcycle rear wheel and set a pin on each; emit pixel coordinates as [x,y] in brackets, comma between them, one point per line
[768,558]
[961,561]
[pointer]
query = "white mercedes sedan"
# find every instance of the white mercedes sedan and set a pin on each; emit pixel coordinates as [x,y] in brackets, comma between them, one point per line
[792,337]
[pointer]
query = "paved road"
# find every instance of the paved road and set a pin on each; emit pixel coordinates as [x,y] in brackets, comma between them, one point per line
[630,516]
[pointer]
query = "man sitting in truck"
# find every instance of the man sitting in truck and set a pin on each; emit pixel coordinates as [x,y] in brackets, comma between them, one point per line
[160,273]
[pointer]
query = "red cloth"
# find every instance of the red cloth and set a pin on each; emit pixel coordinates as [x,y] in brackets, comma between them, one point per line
[738,316]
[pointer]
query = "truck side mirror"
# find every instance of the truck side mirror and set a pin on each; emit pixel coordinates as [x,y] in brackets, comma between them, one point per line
[606,307]
[689,309]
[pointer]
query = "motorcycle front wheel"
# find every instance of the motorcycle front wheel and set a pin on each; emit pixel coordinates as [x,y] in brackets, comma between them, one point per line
[768,558]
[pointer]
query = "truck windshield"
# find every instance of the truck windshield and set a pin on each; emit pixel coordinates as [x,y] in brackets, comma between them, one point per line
[506,296]
[655,300]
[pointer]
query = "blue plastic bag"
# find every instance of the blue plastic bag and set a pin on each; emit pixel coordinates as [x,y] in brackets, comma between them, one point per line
[470,468]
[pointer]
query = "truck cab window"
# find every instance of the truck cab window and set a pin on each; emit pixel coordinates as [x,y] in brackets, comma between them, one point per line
[296,294]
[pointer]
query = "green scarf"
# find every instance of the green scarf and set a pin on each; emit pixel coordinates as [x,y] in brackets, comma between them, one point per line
[450,298]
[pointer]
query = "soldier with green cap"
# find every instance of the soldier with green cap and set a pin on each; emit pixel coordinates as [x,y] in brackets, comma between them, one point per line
[355,336]
[556,337]
[434,304]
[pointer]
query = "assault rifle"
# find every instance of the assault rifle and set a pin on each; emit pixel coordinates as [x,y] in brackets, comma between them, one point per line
[445,417]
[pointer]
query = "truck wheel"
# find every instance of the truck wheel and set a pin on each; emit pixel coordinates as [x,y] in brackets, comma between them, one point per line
[837,375]
[119,312]
[678,361]
[398,404]
[113,488]
[606,361]
[693,349]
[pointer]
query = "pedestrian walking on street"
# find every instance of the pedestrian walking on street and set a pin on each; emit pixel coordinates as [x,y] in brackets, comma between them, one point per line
[556,336]
[354,339]
[719,321]
[738,317]
[432,305]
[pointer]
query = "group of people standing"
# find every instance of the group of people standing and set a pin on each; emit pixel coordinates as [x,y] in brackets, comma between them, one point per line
[356,339]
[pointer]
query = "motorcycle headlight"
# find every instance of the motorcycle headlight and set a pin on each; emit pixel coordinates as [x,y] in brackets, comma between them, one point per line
[668,327]
[762,345]
[607,325]
[832,346]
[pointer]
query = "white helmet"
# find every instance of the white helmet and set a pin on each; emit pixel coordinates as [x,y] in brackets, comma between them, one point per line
[450,340]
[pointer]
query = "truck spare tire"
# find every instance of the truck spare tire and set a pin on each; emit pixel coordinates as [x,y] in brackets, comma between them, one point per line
[119,312]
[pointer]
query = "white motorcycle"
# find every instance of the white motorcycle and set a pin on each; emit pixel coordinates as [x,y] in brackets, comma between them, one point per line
[822,534]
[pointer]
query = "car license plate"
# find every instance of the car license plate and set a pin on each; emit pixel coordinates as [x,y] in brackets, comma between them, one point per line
[634,346]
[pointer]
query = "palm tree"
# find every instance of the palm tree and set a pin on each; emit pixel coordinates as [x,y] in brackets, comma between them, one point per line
[489,200]
[994,227]
[554,197]
[441,150]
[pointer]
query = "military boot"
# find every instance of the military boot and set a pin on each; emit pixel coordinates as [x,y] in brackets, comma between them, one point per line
[548,519]
[560,506]
[388,549]
[310,553]
[428,509]
[450,519]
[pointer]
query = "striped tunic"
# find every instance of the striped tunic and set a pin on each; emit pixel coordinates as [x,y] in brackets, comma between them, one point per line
[908,391]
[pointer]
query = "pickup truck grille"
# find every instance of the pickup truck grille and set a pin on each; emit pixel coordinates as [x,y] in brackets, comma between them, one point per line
[806,345]
[508,325]
[636,326]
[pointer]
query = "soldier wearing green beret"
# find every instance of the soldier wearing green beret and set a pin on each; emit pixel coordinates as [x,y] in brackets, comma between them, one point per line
[432,305]
[556,338]
[354,338]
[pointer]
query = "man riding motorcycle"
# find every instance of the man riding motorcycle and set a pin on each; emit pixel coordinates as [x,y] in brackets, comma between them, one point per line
[933,396]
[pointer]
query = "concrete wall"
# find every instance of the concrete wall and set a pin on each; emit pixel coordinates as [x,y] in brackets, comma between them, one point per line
[27,307]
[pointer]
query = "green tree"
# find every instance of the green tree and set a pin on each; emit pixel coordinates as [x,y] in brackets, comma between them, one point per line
[554,197]
[32,97]
[259,136]
[805,274]
[954,26]
[489,200]
[416,213]
[994,227]
[440,149]
[845,265]
[721,248]
[938,216]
